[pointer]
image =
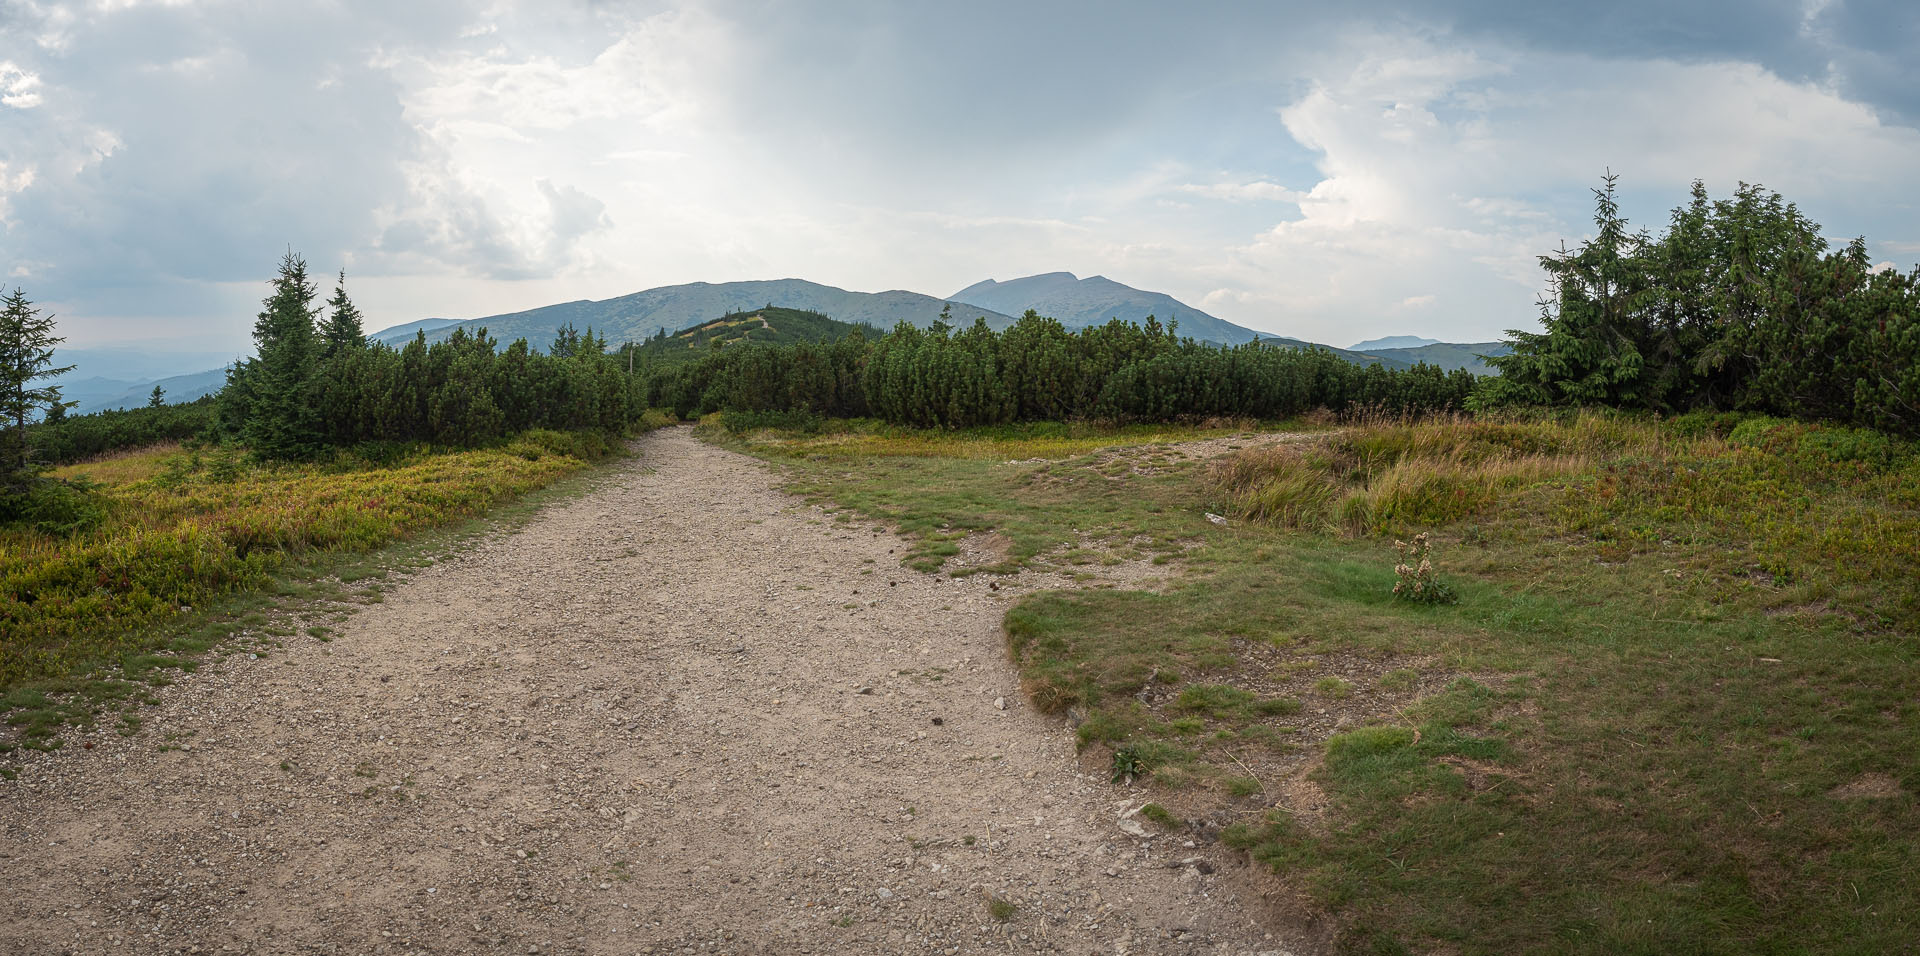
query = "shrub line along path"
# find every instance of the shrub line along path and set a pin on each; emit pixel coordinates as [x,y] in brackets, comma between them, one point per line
[681,713]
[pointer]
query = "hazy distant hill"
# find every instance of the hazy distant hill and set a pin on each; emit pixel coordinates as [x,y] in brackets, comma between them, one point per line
[178,388]
[637,317]
[104,377]
[1393,342]
[1080,302]
[134,365]
[398,334]
[1357,358]
[1449,355]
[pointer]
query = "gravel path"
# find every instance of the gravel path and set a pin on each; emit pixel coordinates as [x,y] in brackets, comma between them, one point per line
[681,713]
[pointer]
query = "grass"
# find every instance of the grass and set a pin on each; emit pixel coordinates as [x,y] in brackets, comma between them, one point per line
[1162,816]
[198,548]
[1046,489]
[1675,708]
[1002,910]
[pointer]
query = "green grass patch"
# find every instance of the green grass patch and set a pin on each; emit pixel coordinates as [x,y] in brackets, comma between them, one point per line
[1679,693]
[1047,488]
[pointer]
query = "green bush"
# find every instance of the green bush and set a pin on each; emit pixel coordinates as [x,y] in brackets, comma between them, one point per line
[52,507]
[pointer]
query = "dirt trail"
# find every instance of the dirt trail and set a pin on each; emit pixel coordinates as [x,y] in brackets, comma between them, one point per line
[682,713]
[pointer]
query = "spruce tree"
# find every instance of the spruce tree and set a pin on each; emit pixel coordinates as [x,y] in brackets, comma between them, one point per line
[283,422]
[566,341]
[343,330]
[158,398]
[1595,319]
[26,355]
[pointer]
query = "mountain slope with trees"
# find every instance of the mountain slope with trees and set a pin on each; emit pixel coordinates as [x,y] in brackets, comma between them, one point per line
[644,315]
[775,326]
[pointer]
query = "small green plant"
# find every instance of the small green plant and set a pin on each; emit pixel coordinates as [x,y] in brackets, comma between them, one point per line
[1402,679]
[1002,910]
[1332,687]
[1161,815]
[1127,764]
[1417,580]
[1242,786]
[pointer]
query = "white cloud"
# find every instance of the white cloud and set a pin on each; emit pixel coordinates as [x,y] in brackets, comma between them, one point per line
[1428,173]
[12,181]
[503,126]
[19,87]
[473,156]
[1257,191]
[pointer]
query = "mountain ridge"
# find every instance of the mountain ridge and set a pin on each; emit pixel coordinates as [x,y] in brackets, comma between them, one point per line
[1078,302]
[637,316]
[1450,355]
[1394,342]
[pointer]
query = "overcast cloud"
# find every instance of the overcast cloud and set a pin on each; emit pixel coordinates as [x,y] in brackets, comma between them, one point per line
[1393,168]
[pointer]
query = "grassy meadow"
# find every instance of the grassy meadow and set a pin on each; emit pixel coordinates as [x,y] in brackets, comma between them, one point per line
[1675,709]
[179,530]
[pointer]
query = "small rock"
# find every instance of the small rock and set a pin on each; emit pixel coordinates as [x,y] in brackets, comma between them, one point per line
[1216,519]
[938,722]
[999,703]
[864,690]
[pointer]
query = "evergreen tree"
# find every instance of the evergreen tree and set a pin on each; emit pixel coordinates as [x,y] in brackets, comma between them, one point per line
[343,330]
[566,341]
[1590,352]
[26,355]
[158,397]
[282,422]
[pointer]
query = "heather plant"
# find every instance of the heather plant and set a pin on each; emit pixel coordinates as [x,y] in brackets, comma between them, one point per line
[89,572]
[1416,579]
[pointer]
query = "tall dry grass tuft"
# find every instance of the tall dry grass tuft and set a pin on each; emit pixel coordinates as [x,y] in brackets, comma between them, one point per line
[1389,474]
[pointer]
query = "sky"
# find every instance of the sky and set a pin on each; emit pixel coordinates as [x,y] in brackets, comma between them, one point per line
[1386,168]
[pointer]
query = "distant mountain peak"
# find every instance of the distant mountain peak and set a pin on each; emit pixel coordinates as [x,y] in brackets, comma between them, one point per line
[1394,342]
[1078,302]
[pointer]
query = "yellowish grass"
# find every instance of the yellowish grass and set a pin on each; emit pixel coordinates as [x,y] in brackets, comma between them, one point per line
[182,534]
[121,467]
